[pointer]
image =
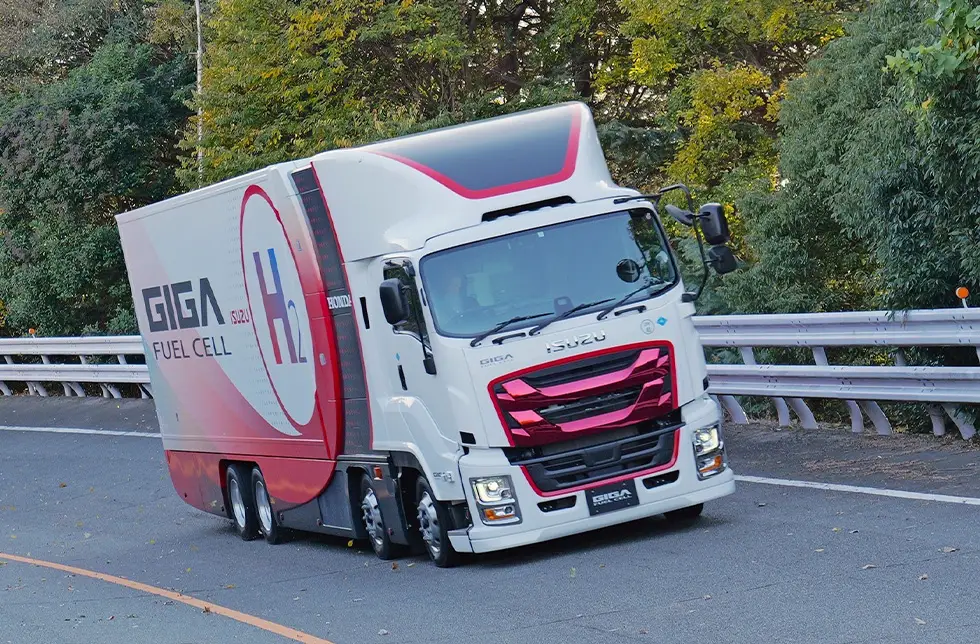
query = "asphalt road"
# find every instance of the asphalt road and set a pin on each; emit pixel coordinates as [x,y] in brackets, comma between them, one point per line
[768,564]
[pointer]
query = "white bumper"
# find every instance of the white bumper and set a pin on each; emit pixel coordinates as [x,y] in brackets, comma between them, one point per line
[537,525]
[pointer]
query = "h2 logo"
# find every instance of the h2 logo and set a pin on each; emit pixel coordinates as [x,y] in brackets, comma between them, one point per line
[277,308]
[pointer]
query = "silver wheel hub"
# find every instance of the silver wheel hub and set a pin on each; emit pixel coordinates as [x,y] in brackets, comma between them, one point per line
[264,507]
[372,519]
[429,524]
[237,502]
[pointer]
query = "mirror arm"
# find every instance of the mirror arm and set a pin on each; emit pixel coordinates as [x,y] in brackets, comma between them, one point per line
[427,357]
[693,297]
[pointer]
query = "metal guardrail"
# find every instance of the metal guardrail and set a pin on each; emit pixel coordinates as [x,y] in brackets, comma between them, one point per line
[70,376]
[940,388]
[859,386]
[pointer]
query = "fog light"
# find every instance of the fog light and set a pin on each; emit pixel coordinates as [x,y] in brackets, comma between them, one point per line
[500,514]
[711,465]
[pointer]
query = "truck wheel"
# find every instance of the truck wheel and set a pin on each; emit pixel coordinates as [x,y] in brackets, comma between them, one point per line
[374,523]
[268,524]
[685,514]
[434,524]
[241,503]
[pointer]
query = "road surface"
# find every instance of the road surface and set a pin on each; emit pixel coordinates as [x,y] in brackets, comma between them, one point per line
[769,564]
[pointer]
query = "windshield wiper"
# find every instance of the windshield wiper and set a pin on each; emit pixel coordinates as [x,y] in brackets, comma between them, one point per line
[565,314]
[500,327]
[609,309]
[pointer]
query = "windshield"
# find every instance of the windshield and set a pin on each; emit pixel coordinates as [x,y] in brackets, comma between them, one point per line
[545,271]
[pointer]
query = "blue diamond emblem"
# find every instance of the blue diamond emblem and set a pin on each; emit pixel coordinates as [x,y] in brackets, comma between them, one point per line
[662,321]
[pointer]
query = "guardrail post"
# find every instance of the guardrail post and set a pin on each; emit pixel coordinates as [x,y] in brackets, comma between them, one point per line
[108,391]
[3,386]
[782,411]
[734,409]
[967,430]
[33,388]
[870,407]
[70,386]
[934,411]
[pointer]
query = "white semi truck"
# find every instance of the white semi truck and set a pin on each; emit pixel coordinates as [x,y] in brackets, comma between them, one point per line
[460,341]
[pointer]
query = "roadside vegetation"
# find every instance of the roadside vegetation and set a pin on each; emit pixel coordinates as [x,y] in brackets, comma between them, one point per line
[843,137]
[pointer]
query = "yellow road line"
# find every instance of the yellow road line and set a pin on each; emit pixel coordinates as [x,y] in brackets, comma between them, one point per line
[245,618]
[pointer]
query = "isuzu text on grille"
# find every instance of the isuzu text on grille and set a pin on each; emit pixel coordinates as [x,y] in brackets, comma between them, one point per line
[577,341]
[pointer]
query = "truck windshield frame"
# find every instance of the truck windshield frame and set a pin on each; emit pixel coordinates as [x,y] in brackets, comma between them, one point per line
[472,287]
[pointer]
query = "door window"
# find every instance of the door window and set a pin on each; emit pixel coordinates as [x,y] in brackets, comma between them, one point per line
[415,324]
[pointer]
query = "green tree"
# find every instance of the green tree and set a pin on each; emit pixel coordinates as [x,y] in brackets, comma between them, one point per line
[721,67]
[40,42]
[73,154]
[285,79]
[878,203]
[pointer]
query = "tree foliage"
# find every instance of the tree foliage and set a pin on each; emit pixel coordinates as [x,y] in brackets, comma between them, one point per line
[286,79]
[841,136]
[721,67]
[879,201]
[43,41]
[72,155]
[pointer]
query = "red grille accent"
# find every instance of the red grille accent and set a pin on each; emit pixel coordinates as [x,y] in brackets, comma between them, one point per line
[626,396]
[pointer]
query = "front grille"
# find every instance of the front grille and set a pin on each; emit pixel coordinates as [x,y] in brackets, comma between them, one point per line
[580,369]
[595,463]
[590,395]
[591,406]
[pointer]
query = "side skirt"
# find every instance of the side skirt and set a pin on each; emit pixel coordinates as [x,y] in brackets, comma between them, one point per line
[336,511]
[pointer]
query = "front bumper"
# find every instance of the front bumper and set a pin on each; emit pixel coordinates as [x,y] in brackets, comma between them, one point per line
[538,525]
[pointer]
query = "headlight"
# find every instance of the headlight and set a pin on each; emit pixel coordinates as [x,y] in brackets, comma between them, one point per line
[495,499]
[493,489]
[706,440]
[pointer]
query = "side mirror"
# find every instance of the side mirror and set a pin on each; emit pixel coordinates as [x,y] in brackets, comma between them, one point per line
[722,259]
[393,301]
[681,216]
[714,224]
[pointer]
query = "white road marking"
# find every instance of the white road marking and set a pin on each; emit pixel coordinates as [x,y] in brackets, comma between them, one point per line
[835,487]
[75,430]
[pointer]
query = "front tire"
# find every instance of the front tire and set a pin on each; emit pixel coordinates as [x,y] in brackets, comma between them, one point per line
[268,523]
[434,524]
[241,502]
[375,524]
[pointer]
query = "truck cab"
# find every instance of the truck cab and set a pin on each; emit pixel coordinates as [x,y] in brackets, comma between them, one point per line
[526,333]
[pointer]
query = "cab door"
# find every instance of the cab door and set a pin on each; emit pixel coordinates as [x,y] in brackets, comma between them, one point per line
[420,412]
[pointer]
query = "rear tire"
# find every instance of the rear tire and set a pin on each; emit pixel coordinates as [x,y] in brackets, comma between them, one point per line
[268,523]
[685,515]
[241,502]
[434,524]
[375,523]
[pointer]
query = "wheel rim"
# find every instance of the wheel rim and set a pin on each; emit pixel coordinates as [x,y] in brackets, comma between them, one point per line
[264,507]
[237,502]
[372,519]
[429,524]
